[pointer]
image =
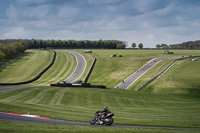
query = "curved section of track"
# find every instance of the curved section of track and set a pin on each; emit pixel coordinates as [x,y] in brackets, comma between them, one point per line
[80,68]
[16,118]
[136,75]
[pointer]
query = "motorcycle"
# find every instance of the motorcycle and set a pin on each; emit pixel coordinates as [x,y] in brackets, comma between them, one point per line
[102,119]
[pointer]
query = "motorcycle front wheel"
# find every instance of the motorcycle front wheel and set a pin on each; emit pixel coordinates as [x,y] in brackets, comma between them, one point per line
[92,121]
[109,121]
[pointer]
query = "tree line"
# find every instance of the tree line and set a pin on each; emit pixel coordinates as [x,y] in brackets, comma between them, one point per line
[11,49]
[84,44]
[187,45]
[184,45]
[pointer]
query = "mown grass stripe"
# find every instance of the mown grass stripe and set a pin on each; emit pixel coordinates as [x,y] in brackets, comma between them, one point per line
[39,97]
[15,97]
[10,93]
[28,67]
[58,97]
[48,96]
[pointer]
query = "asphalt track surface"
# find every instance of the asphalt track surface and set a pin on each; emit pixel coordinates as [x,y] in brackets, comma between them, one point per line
[136,75]
[16,118]
[80,68]
[12,88]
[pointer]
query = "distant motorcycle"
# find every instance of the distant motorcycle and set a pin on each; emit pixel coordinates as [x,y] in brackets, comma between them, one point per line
[102,119]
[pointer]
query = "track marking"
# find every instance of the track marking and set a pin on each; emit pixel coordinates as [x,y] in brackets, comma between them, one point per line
[27,115]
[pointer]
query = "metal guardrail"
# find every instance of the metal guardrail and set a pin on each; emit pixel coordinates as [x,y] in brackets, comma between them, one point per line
[85,85]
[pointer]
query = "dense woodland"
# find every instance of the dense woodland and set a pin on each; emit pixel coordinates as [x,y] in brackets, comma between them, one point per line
[11,49]
[99,44]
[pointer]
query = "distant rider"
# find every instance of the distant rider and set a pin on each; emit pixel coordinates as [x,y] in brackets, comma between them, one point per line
[105,111]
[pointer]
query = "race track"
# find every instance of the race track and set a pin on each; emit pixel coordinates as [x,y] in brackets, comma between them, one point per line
[136,75]
[80,68]
[16,118]
[81,65]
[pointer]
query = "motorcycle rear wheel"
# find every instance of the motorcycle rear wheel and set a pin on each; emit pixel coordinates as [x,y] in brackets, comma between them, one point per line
[109,121]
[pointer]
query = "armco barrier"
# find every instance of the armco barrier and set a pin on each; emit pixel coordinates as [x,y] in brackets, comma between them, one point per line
[148,82]
[37,77]
[85,85]
[91,68]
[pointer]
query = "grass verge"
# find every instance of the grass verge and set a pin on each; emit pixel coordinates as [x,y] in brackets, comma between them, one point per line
[22,127]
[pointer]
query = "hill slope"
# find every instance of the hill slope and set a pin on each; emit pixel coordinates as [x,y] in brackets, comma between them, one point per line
[182,78]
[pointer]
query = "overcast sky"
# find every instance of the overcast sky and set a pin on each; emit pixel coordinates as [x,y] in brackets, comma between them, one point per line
[149,22]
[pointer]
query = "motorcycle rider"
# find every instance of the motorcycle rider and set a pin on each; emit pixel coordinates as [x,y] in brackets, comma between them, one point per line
[105,111]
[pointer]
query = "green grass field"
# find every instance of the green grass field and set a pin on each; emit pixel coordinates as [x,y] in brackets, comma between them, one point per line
[111,71]
[26,68]
[155,105]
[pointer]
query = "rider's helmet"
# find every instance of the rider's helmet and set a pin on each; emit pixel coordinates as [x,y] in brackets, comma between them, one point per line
[105,107]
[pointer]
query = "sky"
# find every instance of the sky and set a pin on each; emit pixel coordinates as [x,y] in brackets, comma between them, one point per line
[149,22]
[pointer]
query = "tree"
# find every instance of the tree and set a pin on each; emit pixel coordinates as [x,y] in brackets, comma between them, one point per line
[158,45]
[120,46]
[2,55]
[140,46]
[164,46]
[133,45]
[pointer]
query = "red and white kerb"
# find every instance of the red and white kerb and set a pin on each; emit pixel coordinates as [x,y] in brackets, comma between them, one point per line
[27,115]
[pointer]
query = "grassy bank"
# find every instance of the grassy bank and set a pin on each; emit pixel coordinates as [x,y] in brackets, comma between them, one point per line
[27,67]
[182,78]
[31,65]
[80,104]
